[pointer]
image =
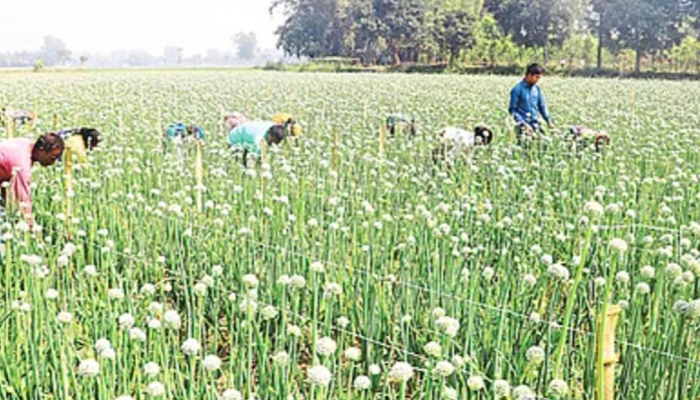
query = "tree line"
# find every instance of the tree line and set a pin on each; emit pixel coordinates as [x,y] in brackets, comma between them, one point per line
[574,33]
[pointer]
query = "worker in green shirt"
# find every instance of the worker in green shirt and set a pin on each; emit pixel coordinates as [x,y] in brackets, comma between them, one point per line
[249,136]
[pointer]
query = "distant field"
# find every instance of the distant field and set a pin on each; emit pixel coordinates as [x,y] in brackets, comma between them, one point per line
[352,259]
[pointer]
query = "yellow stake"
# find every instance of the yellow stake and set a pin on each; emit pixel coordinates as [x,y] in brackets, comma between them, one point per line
[55,123]
[199,173]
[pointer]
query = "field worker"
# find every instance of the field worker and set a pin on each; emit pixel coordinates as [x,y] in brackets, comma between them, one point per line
[401,122]
[18,117]
[527,103]
[16,159]
[585,136]
[455,143]
[77,144]
[232,120]
[178,133]
[295,129]
[249,136]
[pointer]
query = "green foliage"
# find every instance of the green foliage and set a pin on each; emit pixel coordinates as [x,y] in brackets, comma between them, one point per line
[38,65]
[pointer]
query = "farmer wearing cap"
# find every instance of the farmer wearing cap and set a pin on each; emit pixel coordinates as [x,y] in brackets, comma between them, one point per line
[527,103]
[401,122]
[77,144]
[249,137]
[16,159]
[295,129]
[177,133]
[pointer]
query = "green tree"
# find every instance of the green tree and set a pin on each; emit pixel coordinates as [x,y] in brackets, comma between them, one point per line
[533,23]
[312,28]
[645,26]
[246,45]
[454,32]
[54,51]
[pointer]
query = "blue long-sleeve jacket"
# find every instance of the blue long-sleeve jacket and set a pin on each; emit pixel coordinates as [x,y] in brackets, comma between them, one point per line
[527,103]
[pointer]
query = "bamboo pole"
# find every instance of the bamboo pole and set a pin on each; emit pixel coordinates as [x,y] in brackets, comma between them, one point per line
[263,159]
[382,139]
[55,123]
[609,357]
[199,173]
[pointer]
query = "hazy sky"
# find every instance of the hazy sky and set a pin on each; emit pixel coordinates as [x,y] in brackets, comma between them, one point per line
[106,25]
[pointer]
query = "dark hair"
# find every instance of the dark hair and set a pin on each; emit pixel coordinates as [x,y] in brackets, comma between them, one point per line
[91,137]
[49,142]
[534,69]
[276,134]
[484,134]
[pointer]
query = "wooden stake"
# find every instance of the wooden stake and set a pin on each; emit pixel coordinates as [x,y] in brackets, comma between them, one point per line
[382,138]
[610,358]
[263,159]
[55,123]
[68,176]
[336,139]
[199,173]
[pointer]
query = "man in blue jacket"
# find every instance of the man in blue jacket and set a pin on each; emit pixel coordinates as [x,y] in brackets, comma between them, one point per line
[527,103]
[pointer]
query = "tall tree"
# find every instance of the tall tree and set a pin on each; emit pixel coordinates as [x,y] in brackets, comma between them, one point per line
[54,51]
[454,31]
[533,23]
[246,45]
[312,28]
[645,26]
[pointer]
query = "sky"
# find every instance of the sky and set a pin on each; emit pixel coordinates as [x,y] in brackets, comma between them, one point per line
[99,26]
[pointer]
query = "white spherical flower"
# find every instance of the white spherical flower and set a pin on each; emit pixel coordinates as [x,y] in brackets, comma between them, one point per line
[51,294]
[599,282]
[64,317]
[137,334]
[535,355]
[342,322]
[155,308]
[191,347]
[231,394]
[594,208]
[622,277]
[451,393]
[297,282]
[88,368]
[547,259]
[448,325]
[326,346]
[217,270]
[457,361]
[148,289]
[115,293]
[438,312]
[102,344]
[172,319]
[488,273]
[155,389]
[501,388]
[529,280]
[475,383]
[674,271]
[332,289]
[281,358]
[294,330]
[362,382]
[693,310]
[433,349]
[619,245]
[151,369]
[126,321]
[523,392]
[208,281]
[250,281]
[643,288]
[91,270]
[269,312]
[200,289]
[317,267]
[648,272]
[444,369]
[108,354]
[353,354]
[211,363]
[374,370]
[535,317]
[401,372]
[558,388]
[319,376]
[284,280]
